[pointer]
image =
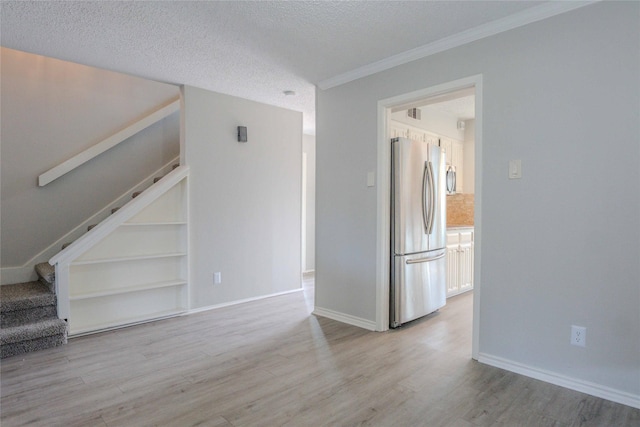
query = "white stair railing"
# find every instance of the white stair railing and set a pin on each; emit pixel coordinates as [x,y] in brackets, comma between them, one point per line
[107,143]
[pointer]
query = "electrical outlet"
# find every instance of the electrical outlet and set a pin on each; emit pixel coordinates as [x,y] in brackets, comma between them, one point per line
[217,278]
[578,335]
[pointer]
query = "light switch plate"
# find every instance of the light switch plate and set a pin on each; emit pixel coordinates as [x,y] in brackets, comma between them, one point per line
[515,169]
[371,179]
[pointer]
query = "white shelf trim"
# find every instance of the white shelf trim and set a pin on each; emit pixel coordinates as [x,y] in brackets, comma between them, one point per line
[120,291]
[128,258]
[121,323]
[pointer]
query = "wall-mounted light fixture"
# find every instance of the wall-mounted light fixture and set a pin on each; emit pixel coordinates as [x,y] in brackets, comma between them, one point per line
[242,134]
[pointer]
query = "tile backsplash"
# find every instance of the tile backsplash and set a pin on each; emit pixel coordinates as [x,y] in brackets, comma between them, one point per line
[460,210]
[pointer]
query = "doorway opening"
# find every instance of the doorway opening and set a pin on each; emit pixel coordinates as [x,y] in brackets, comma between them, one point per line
[450,114]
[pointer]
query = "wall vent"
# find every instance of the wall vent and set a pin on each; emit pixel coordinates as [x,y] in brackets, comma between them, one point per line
[414,113]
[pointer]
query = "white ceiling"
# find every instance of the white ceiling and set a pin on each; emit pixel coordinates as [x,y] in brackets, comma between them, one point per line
[460,108]
[255,49]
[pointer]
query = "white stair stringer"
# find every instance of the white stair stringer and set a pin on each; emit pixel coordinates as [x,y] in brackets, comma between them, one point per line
[133,266]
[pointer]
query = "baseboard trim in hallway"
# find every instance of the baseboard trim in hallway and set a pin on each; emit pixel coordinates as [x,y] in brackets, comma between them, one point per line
[242,301]
[345,318]
[562,380]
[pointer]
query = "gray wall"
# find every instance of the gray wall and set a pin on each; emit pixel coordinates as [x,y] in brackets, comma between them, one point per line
[561,245]
[52,110]
[244,198]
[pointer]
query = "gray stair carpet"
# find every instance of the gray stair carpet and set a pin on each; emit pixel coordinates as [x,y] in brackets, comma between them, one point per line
[47,274]
[28,319]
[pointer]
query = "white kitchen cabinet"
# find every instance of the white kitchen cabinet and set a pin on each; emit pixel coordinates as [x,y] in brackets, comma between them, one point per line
[401,130]
[459,261]
[445,144]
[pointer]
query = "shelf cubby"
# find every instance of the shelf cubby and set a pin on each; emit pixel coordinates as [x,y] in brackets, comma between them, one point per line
[136,273]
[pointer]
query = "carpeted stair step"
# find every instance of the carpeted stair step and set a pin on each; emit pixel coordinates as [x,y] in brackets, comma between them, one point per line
[25,303]
[32,337]
[47,274]
[28,319]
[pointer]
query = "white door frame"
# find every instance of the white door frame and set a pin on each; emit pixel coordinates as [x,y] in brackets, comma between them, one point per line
[303,213]
[384,199]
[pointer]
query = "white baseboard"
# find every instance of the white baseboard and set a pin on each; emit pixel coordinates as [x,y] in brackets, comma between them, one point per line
[242,301]
[23,273]
[587,387]
[345,318]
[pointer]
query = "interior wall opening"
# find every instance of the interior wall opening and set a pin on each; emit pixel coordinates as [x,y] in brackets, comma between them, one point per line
[450,116]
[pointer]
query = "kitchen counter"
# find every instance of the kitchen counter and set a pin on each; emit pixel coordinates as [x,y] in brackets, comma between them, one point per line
[458,227]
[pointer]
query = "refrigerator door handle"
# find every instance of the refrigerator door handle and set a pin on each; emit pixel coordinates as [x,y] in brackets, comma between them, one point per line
[425,212]
[432,198]
[419,260]
[455,181]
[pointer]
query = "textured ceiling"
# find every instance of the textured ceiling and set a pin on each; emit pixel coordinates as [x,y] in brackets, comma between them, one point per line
[253,50]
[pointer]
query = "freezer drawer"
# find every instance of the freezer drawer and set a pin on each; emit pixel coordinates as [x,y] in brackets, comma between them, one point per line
[418,286]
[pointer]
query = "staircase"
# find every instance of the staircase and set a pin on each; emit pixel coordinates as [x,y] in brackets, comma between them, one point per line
[29,317]
[28,311]
[113,210]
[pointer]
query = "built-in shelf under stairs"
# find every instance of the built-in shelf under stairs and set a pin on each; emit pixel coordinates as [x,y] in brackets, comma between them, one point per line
[30,320]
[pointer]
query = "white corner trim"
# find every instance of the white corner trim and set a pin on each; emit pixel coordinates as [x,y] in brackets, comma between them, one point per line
[587,387]
[528,16]
[345,318]
[242,301]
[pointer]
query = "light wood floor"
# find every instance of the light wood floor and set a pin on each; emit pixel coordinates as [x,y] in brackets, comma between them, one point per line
[271,363]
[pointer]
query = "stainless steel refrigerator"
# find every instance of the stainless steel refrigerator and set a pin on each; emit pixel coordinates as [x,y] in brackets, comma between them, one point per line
[418,230]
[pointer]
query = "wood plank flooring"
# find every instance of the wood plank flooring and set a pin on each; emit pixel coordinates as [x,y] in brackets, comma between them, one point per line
[271,363]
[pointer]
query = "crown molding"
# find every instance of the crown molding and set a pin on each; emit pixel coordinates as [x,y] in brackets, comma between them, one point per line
[520,19]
